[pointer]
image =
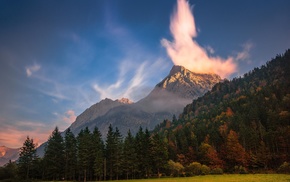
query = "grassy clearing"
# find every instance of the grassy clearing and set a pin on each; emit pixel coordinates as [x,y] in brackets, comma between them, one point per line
[224,178]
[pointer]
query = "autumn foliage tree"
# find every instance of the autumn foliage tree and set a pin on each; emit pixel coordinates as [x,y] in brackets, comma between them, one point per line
[234,153]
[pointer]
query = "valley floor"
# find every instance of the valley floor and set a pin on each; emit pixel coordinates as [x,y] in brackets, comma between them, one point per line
[224,178]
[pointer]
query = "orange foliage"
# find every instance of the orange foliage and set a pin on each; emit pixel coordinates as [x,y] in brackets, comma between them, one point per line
[258,89]
[168,124]
[229,112]
[223,129]
[234,152]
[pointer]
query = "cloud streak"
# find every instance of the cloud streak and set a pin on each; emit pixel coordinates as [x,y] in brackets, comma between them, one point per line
[137,78]
[245,53]
[32,69]
[185,51]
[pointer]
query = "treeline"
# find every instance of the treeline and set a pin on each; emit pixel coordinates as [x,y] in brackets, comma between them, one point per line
[240,123]
[241,126]
[87,157]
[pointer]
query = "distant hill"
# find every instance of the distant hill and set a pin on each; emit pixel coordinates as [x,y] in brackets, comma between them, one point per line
[248,116]
[7,154]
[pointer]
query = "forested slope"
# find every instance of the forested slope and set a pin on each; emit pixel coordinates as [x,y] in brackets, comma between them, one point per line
[242,122]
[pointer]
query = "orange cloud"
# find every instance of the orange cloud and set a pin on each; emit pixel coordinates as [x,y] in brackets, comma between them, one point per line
[69,117]
[13,136]
[185,51]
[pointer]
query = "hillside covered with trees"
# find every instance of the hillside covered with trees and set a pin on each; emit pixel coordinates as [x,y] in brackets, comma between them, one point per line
[241,126]
[244,122]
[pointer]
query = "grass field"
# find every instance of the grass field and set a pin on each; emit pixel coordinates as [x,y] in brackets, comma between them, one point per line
[224,178]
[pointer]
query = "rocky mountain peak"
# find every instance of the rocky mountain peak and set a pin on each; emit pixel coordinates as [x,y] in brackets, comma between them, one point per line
[176,69]
[187,84]
[97,110]
[7,154]
[125,101]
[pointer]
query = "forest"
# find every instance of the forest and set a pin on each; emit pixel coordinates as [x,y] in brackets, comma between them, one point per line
[240,126]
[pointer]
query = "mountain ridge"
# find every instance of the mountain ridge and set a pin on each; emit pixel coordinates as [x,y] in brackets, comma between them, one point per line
[7,154]
[168,98]
[163,102]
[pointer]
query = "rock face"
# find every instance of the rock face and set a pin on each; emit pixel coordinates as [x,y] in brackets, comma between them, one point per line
[168,97]
[7,154]
[97,110]
[187,84]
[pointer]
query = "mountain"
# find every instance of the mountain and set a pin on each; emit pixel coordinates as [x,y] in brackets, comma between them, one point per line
[97,110]
[187,84]
[178,89]
[7,154]
[242,122]
[168,97]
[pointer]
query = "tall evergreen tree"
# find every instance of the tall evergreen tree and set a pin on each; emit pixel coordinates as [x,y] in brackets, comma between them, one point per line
[139,146]
[98,153]
[159,153]
[54,156]
[27,157]
[147,154]
[110,152]
[70,151]
[118,153]
[143,145]
[130,157]
[84,146]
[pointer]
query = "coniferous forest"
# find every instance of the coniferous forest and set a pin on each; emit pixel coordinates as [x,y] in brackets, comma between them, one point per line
[240,126]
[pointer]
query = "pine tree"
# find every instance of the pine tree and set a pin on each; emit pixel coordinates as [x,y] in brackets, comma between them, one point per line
[84,146]
[54,156]
[98,154]
[147,154]
[70,151]
[130,157]
[139,146]
[27,156]
[110,152]
[159,153]
[118,153]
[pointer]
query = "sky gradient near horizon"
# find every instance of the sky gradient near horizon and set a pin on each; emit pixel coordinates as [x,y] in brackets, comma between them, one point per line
[57,58]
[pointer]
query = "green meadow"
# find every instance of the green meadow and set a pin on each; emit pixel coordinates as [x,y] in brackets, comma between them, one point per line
[223,178]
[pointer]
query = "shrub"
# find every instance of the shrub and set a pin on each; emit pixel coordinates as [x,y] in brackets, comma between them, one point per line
[193,169]
[217,171]
[175,167]
[204,169]
[243,170]
[284,168]
[240,170]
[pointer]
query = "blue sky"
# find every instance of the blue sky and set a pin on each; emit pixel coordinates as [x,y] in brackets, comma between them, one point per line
[57,58]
